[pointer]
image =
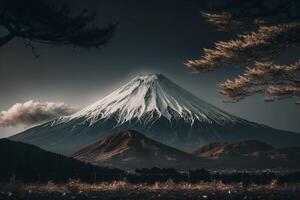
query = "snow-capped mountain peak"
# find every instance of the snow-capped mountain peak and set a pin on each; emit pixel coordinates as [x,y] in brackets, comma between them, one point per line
[147,98]
[158,108]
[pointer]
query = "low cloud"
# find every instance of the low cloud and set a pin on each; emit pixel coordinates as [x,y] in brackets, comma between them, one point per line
[31,113]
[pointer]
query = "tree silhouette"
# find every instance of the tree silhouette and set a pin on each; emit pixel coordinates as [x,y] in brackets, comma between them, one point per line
[264,28]
[41,21]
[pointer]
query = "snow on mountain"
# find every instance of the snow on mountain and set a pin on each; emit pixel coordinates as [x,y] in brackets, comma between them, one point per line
[147,98]
[158,108]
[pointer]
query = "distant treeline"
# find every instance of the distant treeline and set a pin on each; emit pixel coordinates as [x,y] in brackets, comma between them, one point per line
[153,175]
[202,175]
[28,163]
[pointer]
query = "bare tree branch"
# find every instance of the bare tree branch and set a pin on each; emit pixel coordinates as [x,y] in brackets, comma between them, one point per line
[28,44]
[5,39]
[43,22]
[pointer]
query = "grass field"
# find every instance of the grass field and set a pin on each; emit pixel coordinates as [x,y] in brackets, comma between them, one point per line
[122,190]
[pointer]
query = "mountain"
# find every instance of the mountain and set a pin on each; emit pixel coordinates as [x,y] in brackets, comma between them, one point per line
[218,150]
[131,150]
[249,154]
[28,162]
[160,109]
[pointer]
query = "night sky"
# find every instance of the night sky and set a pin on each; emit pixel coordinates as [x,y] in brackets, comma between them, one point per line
[152,36]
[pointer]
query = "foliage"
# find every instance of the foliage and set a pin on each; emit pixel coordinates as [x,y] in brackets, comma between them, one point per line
[264,28]
[42,21]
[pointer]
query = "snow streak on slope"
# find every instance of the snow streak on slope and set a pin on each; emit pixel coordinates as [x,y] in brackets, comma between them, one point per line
[146,98]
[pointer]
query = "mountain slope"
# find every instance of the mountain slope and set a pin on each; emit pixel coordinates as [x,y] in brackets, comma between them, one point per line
[149,97]
[218,150]
[157,107]
[131,149]
[249,154]
[28,162]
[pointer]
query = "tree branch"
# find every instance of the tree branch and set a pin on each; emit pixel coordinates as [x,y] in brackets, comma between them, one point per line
[267,28]
[276,81]
[5,39]
[41,21]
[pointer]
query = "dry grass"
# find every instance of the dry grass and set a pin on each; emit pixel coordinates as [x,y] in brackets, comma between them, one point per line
[75,189]
[76,185]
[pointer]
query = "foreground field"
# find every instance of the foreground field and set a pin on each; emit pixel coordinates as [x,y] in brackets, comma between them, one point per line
[122,190]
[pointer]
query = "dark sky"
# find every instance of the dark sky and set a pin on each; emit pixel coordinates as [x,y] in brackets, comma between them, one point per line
[153,36]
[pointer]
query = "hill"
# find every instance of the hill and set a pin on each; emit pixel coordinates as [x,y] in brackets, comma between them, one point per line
[131,149]
[28,162]
[249,154]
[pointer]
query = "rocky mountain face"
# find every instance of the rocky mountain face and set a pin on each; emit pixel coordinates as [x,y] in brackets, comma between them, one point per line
[131,149]
[249,154]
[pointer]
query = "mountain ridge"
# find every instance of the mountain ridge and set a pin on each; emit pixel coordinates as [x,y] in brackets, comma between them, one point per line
[131,149]
[249,154]
[147,94]
[160,109]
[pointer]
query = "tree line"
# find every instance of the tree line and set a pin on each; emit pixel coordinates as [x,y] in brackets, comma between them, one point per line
[153,175]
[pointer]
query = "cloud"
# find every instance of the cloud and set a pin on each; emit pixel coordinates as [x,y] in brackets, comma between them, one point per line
[31,113]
